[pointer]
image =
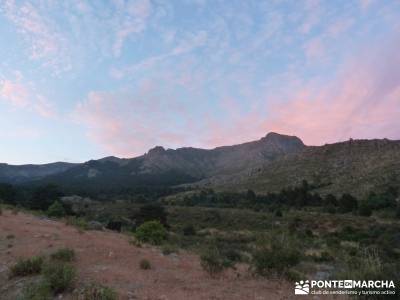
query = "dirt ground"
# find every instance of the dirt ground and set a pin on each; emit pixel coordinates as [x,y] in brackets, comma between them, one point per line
[107,257]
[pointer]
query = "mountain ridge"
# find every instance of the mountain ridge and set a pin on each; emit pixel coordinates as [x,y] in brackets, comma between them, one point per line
[271,163]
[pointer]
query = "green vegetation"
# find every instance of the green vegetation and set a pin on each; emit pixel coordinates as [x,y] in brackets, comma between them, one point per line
[98,292]
[277,255]
[59,276]
[56,210]
[213,262]
[36,291]
[64,254]
[152,232]
[292,233]
[145,264]
[28,266]
[78,222]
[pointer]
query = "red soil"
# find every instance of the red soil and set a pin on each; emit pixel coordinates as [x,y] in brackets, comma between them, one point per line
[108,258]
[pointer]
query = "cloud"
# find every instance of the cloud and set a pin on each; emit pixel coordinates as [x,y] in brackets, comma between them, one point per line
[14,92]
[22,96]
[129,123]
[46,43]
[132,17]
[184,46]
[362,102]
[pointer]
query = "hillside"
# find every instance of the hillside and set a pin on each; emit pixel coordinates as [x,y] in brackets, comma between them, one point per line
[108,258]
[274,162]
[355,166]
[23,173]
[161,167]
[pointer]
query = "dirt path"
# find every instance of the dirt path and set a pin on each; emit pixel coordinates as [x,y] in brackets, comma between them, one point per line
[107,258]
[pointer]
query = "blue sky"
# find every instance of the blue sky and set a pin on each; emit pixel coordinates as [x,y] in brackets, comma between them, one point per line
[86,79]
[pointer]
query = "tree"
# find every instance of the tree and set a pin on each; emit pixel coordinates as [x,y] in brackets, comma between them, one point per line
[347,203]
[56,210]
[331,200]
[251,196]
[44,196]
[364,209]
[7,193]
[151,212]
[152,232]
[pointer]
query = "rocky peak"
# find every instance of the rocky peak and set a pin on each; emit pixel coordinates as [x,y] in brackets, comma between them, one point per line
[283,141]
[156,150]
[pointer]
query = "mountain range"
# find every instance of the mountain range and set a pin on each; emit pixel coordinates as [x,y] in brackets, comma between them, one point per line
[274,162]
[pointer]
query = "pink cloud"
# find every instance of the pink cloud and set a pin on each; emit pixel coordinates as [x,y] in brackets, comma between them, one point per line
[363,102]
[22,96]
[14,92]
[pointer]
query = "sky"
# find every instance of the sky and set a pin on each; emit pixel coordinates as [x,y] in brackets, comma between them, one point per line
[84,79]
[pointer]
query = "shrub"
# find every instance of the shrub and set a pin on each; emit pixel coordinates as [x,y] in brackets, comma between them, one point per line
[145,264]
[64,254]
[168,249]
[398,211]
[212,261]
[278,213]
[28,266]
[59,276]
[364,210]
[80,223]
[232,255]
[56,210]
[152,232]
[99,292]
[36,291]
[189,230]
[347,203]
[281,254]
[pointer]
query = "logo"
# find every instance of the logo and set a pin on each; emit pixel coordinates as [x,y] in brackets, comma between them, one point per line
[302,288]
[345,287]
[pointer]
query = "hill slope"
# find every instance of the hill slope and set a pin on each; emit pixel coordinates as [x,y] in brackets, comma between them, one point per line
[160,167]
[355,166]
[108,258]
[22,173]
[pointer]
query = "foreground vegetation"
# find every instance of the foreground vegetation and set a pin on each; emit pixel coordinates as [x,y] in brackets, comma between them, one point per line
[295,234]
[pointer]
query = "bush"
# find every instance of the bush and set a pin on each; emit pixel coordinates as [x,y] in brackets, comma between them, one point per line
[80,223]
[152,232]
[64,254]
[212,261]
[278,213]
[36,291]
[99,292]
[364,210]
[145,264]
[281,254]
[168,249]
[56,210]
[347,203]
[59,276]
[189,230]
[25,267]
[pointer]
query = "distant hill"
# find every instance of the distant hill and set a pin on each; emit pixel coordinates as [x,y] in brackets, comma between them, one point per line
[274,162]
[24,173]
[355,166]
[161,167]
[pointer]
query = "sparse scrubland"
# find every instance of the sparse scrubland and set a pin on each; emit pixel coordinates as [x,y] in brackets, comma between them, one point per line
[291,235]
